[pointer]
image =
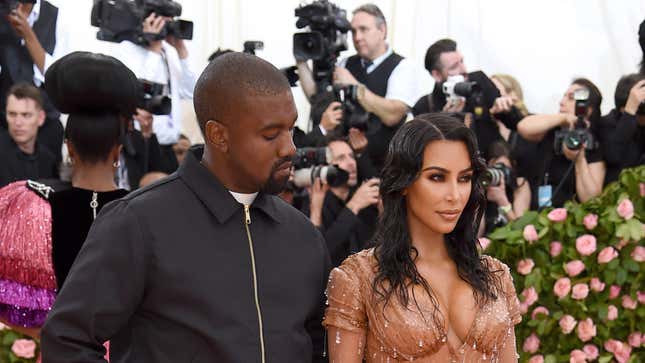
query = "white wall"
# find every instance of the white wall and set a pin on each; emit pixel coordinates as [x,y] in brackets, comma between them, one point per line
[544,44]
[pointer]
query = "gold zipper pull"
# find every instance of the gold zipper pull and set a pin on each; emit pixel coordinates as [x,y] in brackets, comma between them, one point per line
[247,213]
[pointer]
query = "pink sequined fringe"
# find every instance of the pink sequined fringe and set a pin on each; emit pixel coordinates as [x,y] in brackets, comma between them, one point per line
[25,237]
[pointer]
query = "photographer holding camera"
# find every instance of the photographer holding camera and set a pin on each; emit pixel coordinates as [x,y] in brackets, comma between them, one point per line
[508,194]
[623,129]
[32,37]
[456,90]
[163,60]
[573,163]
[346,214]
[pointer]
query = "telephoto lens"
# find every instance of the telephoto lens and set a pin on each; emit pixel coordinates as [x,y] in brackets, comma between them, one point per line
[331,175]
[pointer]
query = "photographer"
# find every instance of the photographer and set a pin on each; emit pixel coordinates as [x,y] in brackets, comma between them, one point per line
[346,214]
[164,61]
[446,66]
[623,129]
[508,195]
[32,37]
[387,84]
[567,171]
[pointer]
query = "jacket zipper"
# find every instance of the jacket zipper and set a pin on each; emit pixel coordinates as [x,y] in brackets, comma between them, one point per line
[247,221]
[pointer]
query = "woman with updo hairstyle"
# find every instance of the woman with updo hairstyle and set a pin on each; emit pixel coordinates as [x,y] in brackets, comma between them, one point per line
[424,293]
[45,225]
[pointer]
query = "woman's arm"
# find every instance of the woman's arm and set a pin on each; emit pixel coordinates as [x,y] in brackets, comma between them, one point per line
[521,197]
[345,346]
[509,350]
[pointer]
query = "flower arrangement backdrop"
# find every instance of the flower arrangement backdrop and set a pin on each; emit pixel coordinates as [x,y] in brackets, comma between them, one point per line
[578,271]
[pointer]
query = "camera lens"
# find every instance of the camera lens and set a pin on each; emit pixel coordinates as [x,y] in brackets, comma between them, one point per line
[492,177]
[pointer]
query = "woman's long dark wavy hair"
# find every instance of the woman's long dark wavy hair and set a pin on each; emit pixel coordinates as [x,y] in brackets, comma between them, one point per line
[394,251]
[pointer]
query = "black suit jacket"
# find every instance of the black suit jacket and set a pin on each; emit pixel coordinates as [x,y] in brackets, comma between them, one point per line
[141,156]
[166,276]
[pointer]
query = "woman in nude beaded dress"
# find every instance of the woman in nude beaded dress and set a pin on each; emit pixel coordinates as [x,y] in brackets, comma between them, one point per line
[424,293]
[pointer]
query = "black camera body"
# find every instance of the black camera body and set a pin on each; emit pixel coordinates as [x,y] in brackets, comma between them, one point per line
[120,20]
[493,175]
[7,6]
[311,163]
[327,37]
[581,135]
[153,98]
[354,115]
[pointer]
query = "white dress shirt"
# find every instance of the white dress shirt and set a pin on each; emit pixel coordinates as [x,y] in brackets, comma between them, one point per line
[149,65]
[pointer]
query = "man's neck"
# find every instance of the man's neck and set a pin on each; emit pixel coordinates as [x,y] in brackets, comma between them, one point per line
[382,50]
[28,147]
[341,192]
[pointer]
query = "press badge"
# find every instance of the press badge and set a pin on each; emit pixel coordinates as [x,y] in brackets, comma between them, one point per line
[544,196]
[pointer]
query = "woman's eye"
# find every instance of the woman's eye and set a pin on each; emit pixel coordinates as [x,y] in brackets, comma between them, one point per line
[436,177]
[466,178]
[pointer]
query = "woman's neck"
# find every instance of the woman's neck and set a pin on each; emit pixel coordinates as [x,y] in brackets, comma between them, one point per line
[97,177]
[430,245]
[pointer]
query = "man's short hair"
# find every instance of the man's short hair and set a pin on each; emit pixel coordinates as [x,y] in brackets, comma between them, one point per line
[625,84]
[24,90]
[374,11]
[433,54]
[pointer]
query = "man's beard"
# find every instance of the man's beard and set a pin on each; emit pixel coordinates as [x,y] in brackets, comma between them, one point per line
[275,185]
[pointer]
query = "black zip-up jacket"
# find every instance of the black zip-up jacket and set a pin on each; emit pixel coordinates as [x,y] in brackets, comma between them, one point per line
[169,274]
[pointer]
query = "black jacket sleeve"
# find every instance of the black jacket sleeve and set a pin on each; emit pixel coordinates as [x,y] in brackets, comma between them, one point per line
[314,324]
[338,230]
[102,292]
[619,140]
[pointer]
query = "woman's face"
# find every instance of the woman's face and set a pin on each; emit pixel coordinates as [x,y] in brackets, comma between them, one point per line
[438,196]
[567,103]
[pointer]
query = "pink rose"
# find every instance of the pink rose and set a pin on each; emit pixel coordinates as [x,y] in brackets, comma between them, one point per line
[555,248]
[531,344]
[537,359]
[640,294]
[590,221]
[635,339]
[577,356]
[622,243]
[562,287]
[614,291]
[591,351]
[586,244]
[612,345]
[574,268]
[530,296]
[629,303]
[557,215]
[625,209]
[484,242]
[607,254]
[539,310]
[638,254]
[596,284]
[567,323]
[622,352]
[530,234]
[612,313]
[586,330]
[24,348]
[580,291]
[525,266]
[642,188]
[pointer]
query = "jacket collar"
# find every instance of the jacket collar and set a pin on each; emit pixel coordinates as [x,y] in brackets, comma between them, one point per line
[214,195]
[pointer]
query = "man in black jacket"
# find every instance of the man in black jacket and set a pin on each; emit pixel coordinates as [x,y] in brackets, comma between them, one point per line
[622,131]
[208,265]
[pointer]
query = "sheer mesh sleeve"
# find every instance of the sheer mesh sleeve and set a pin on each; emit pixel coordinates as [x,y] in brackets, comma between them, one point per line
[512,301]
[346,308]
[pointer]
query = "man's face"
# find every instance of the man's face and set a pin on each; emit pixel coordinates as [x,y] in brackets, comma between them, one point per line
[452,64]
[260,141]
[180,149]
[343,156]
[369,38]
[24,117]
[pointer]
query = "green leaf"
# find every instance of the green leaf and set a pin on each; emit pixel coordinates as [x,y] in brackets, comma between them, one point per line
[613,264]
[610,276]
[603,310]
[635,229]
[621,276]
[550,359]
[604,359]
[623,231]
[499,233]
[631,265]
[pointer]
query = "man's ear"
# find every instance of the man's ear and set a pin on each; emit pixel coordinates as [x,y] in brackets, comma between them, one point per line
[216,134]
[41,117]
[436,75]
[404,192]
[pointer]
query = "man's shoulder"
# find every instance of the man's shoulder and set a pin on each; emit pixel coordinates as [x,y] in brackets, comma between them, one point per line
[162,191]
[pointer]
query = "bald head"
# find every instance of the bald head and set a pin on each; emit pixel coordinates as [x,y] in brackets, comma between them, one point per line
[232,79]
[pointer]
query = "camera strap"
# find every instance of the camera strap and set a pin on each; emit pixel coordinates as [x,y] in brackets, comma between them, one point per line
[167,66]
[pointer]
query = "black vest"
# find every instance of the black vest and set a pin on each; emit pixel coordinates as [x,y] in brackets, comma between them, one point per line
[378,135]
[16,63]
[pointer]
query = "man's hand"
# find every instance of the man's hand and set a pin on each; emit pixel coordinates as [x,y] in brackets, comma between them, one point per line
[357,140]
[366,195]
[145,121]
[343,76]
[636,97]
[332,116]
[317,194]
[573,154]
[153,24]
[456,106]
[502,104]
[18,21]
[178,44]
[497,194]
